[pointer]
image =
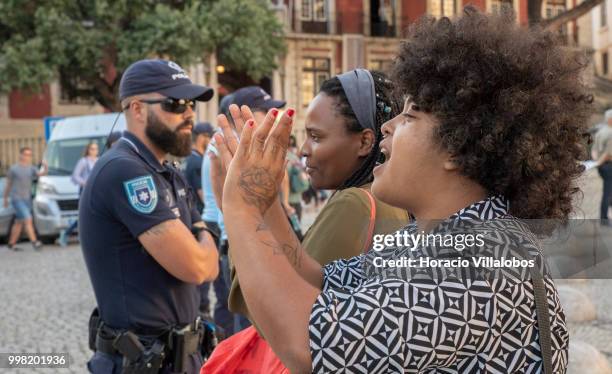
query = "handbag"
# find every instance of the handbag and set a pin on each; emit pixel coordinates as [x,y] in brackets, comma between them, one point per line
[243,352]
[246,351]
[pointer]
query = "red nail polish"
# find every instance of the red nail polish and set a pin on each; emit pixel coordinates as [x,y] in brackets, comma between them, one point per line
[290,112]
[274,113]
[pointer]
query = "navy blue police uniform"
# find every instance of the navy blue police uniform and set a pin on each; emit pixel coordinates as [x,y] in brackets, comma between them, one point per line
[129,192]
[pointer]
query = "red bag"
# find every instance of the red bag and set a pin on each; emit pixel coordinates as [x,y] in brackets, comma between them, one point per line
[247,352]
[244,352]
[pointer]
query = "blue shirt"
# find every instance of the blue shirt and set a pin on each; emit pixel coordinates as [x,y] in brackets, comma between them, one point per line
[212,213]
[193,170]
[127,193]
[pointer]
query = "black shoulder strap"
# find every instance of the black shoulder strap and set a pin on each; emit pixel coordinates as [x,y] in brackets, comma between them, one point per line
[543,317]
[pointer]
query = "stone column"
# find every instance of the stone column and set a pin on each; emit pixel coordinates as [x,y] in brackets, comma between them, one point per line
[212,107]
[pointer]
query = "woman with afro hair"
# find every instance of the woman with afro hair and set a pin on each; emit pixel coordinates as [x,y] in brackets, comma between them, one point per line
[490,136]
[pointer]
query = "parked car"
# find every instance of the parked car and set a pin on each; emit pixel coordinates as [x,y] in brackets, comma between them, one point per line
[56,200]
[7,215]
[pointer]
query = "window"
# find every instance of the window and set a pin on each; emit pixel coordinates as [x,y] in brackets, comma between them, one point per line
[604,63]
[318,9]
[314,72]
[380,65]
[314,10]
[442,8]
[62,155]
[554,8]
[307,10]
[603,9]
[498,5]
[382,17]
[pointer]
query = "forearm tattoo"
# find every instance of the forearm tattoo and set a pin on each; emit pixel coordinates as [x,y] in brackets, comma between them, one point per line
[258,188]
[291,251]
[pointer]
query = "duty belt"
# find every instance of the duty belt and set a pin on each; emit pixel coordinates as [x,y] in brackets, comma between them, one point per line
[152,348]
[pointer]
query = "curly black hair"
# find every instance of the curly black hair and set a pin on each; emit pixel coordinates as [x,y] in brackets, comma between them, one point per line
[387,107]
[511,105]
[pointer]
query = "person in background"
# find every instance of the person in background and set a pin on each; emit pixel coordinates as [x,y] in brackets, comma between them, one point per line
[298,179]
[201,135]
[213,219]
[309,195]
[341,151]
[260,102]
[225,103]
[602,154]
[211,216]
[79,177]
[19,188]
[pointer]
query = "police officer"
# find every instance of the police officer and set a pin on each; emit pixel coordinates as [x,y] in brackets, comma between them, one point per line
[144,243]
[202,134]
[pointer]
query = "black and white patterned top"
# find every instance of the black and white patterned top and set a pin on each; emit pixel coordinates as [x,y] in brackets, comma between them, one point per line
[371,322]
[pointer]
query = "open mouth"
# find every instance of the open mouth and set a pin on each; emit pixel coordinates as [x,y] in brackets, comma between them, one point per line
[383,157]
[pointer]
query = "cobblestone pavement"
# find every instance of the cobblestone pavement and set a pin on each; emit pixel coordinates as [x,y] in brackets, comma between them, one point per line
[47,298]
[597,333]
[46,301]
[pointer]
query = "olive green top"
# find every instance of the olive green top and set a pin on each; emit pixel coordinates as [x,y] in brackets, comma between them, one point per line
[339,231]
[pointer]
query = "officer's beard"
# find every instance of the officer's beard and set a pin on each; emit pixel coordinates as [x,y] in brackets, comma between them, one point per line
[170,141]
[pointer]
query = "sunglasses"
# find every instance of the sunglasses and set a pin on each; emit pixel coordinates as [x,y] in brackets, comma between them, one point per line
[176,106]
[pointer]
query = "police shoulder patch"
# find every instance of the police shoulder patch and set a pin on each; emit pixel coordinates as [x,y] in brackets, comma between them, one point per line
[141,193]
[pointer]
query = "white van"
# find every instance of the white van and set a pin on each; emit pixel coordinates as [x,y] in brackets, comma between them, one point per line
[56,201]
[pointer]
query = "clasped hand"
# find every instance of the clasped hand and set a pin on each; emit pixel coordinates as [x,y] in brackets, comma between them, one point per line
[255,163]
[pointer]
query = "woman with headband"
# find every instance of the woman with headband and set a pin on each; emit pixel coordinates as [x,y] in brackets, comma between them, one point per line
[490,135]
[341,149]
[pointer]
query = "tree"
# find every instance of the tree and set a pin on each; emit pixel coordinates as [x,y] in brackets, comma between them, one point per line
[534,11]
[87,44]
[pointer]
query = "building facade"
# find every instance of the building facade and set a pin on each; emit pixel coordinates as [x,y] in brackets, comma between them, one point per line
[327,37]
[601,16]
[324,38]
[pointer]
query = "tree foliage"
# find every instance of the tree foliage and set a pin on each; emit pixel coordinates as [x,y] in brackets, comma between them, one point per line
[88,43]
